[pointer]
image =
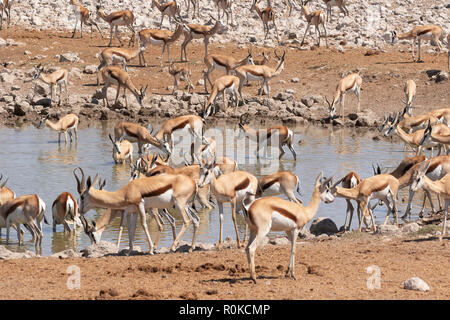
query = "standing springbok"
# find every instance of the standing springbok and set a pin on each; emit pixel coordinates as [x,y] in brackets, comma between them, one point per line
[410,93]
[261,73]
[223,62]
[84,16]
[280,182]
[199,31]
[136,133]
[6,194]
[5,6]
[65,211]
[180,73]
[263,137]
[58,77]
[67,124]
[382,187]
[430,32]
[225,5]
[115,75]
[172,9]
[111,56]
[227,83]
[315,18]
[116,19]
[28,210]
[231,187]
[351,82]
[266,15]
[274,214]
[122,153]
[341,4]
[157,37]
[158,192]
[440,187]
[193,123]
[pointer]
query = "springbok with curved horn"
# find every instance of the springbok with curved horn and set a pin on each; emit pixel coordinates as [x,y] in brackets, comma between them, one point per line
[115,75]
[136,133]
[351,82]
[263,137]
[84,16]
[260,73]
[266,15]
[116,19]
[316,18]
[274,214]
[199,31]
[58,77]
[67,124]
[429,32]
[157,192]
[223,62]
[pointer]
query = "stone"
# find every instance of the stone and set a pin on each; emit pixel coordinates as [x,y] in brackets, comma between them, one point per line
[68,57]
[21,108]
[2,43]
[295,80]
[280,241]
[410,228]
[91,69]
[100,249]
[323,226]
[415,283]
[388,229]
[7,78]
[6,254]
[69,253]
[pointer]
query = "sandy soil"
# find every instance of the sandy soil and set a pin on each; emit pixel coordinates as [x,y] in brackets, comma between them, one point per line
[327,269]
[319,70]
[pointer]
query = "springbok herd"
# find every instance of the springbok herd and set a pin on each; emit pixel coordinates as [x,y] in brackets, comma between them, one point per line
[155,186]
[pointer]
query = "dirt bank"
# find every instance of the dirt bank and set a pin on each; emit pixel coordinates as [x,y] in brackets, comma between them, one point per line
[326,268]
[297,95]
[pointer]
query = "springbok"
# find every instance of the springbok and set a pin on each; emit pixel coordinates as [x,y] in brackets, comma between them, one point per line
[116,19]
[280,182]
[274,214]
[224,84]
[263,137]
[315,18]
[351,82]
[84,16]
[341,4]
[65,211]
[58,77]
[122,153]
[67,124]
[171,9]
[180,73]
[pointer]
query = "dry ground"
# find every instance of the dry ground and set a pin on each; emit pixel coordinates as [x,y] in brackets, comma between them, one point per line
[330,269]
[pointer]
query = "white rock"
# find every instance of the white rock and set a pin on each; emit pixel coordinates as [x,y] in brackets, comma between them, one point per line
[416,283]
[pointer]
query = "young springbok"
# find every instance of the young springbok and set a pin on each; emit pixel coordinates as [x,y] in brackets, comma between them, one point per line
[266,15]
[123,152]
[180,73]
[341,4]
[410,93]
[172,9]
[224,84]
[315,18]
[58,77]
[65,211]
[231,187]
[67,124]
[274,214]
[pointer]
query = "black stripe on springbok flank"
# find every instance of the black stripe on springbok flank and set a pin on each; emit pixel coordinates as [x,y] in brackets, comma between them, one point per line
[157,192]
[285,213]
[244,184]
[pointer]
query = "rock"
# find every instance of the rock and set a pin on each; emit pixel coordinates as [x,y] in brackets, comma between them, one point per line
[69,253]
[6,254]
[295,80]
[200,82]
[91,69]
[441,76]
[388,229]
[68,57]
[22,108]
[415,283]
[410,228]
[280,241]
[100,249]
[7,78]
[323,225]
[2,43]
[75,72]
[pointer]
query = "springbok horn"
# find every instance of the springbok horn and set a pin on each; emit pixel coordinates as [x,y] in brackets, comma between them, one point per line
[4,182]
[114,144]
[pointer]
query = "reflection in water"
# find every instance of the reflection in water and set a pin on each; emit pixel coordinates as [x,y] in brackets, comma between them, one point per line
[36,163]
